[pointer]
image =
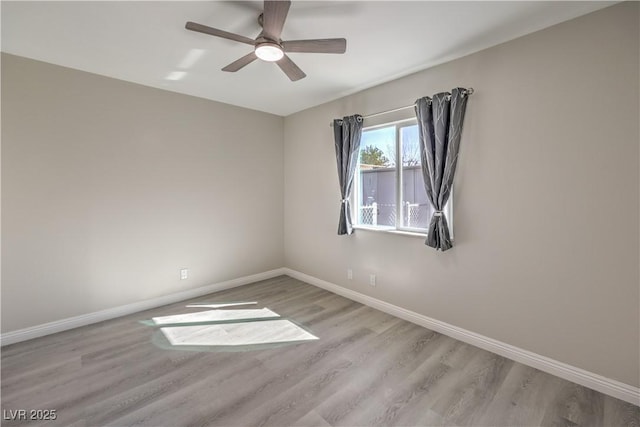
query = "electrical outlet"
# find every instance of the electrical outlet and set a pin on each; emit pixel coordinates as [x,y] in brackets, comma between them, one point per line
[349,274]
[372,279]
[184,274]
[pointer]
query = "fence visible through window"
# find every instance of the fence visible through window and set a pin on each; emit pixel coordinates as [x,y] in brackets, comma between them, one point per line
[412,212]
[415,215]
[369,214]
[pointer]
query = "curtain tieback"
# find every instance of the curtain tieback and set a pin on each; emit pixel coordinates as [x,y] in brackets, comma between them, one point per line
[438,213]
[344,200]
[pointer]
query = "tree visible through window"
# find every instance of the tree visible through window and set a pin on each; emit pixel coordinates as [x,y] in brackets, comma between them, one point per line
[374,156]
[389,187]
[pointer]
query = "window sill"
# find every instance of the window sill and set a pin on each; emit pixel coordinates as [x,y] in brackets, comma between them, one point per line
[391,231]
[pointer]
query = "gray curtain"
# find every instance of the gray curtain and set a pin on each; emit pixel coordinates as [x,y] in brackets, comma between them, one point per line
[440,125]
[347,133]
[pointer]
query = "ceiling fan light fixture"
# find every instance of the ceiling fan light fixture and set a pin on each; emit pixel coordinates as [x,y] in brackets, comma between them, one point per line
[269,52]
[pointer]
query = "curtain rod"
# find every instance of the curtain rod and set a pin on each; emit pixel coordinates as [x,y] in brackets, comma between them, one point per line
[468,91]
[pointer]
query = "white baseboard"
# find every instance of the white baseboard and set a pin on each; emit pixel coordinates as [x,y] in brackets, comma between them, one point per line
[110,313]
[580,376]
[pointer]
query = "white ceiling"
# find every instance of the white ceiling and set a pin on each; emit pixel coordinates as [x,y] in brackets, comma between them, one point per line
[144,42]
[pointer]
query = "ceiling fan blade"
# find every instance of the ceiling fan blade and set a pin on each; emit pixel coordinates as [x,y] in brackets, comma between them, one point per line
[273,17]
[316,46]
[218,33]
[290,69]
[238,64]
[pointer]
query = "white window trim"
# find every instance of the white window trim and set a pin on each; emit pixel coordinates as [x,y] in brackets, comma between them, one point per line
[397,229]
[422,234]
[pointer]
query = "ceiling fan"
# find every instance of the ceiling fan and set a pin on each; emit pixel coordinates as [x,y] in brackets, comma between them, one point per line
[268,46]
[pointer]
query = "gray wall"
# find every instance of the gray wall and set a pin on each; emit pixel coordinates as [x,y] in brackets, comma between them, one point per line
[545,204]
[109,188]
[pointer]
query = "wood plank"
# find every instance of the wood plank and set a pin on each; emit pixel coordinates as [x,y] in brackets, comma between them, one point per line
[367,368]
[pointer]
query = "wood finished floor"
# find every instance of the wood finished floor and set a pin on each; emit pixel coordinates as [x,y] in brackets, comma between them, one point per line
[367,369]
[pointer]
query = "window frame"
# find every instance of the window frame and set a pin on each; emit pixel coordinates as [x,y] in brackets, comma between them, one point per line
[398,228]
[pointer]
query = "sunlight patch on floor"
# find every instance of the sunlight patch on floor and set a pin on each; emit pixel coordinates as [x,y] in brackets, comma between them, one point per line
[226,329]
[237,334]
[215,316]
[220,304]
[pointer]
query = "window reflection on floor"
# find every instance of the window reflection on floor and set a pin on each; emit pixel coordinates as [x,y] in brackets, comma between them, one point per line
[227,330]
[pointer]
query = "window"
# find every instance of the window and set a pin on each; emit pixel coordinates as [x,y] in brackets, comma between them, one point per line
[389,187]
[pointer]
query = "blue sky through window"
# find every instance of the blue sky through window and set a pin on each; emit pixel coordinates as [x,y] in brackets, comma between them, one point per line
[382,138]
[410,145]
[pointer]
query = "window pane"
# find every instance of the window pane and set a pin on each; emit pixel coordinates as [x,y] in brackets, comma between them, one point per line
[416,209]
[376,203]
